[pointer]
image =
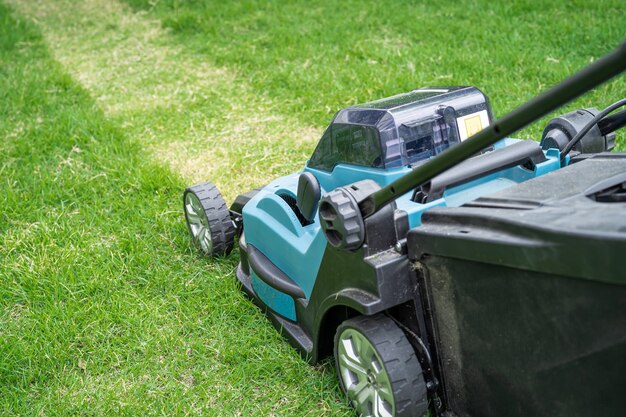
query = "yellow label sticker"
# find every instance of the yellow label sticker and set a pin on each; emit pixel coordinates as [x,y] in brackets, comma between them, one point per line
[473,125]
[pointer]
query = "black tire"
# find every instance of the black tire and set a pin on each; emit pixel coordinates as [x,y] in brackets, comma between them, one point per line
[385,379]
[208,220]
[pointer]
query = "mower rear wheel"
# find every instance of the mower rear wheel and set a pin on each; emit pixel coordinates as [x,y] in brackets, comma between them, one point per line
[208,219]
[378,369]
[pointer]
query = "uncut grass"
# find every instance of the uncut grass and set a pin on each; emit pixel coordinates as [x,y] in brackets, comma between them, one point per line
[104,307]
[315,57]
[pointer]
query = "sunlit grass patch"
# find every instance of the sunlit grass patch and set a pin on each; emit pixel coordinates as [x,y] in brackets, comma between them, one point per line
[202,120]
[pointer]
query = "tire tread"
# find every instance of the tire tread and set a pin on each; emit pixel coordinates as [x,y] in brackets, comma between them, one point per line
[220,224]
[400,361]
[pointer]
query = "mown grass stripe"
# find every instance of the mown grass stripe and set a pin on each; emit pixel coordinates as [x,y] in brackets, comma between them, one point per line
[203,120]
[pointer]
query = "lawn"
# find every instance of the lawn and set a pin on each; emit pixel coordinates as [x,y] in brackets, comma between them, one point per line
[109,109]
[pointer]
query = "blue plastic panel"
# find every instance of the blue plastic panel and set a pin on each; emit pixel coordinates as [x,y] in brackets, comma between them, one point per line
[481,187]
[271,225]
[347,174]
[273,228]
[279,302]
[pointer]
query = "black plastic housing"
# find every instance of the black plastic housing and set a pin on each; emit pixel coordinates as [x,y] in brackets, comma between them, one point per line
[561,130]
[524,293]
[526,153]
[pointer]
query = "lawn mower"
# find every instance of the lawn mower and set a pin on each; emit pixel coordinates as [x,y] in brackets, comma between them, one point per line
[444,265]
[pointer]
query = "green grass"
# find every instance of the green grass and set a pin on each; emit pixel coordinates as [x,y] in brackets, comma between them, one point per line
[315,57]
[104,307]
[107,114]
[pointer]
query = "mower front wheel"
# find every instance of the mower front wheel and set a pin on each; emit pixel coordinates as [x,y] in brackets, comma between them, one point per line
[208,219]
[378,369]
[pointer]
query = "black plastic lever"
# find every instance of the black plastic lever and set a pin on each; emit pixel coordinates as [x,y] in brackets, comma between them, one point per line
[527,153]
[271,274]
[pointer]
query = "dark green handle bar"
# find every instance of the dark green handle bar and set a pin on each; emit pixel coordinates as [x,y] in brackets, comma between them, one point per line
[595,74]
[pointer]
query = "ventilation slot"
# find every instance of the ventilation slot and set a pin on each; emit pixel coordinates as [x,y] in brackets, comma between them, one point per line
[611,190]
[291,201]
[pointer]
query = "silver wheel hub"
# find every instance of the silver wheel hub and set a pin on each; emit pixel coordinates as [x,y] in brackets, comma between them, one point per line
[198,223]
[365,380]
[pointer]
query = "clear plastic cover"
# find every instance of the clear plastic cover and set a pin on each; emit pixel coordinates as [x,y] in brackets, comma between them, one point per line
[402,130]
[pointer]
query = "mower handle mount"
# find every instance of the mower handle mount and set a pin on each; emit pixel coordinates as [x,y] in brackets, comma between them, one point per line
[586,79]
